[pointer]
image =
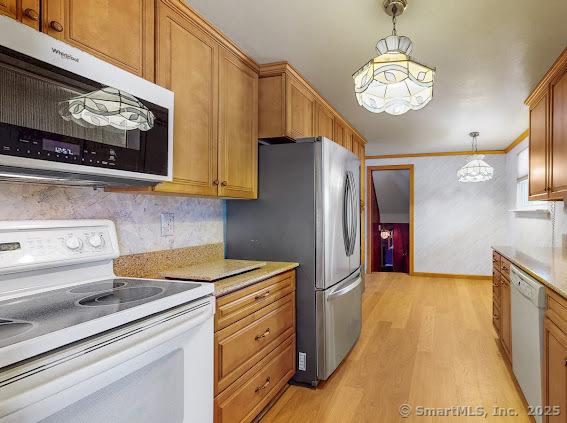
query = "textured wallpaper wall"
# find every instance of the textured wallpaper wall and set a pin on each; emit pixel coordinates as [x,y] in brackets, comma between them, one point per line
[455,223]
[137,217]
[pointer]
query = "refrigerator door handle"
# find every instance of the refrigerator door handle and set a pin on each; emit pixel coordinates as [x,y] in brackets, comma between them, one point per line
[354,219]
[344,289]
[346,211]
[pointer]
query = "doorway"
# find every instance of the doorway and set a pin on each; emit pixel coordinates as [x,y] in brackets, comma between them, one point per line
[390,218]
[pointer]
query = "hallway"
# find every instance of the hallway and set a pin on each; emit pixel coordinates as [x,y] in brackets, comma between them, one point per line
[425,342]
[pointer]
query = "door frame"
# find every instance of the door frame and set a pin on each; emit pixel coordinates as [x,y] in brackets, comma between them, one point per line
[369,184]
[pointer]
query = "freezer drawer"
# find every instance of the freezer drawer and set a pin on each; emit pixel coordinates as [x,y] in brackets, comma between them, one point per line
[339,319]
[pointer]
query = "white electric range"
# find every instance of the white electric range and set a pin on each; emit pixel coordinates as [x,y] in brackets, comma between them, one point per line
[78,343]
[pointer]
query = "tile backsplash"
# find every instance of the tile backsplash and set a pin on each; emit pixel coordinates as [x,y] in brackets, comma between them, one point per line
[137,217]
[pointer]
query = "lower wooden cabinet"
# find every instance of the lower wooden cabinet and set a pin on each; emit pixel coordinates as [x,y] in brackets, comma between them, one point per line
[254,347]
[506,318]
[8,8]
[501,302]
[554,370]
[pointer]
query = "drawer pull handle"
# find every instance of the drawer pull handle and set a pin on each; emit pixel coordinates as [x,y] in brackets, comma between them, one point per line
[260,337]
[264,386]
[56,26]
[31,14]
[262,296]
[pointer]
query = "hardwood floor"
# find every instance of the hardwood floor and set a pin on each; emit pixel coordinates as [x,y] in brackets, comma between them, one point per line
[425,342]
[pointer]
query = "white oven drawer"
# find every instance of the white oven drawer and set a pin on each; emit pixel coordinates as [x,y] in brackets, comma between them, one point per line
[157,369]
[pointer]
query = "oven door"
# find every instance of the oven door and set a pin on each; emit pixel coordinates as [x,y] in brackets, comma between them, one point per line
[159,369]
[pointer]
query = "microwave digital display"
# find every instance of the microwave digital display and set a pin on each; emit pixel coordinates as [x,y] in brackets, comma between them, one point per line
[61,147]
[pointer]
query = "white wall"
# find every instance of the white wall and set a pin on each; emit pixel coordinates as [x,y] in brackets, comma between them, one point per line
[455,223]
[392,191]
[137,217]
[531,230]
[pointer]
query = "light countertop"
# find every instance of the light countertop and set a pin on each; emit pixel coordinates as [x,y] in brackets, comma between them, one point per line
[242,280]
[547,265]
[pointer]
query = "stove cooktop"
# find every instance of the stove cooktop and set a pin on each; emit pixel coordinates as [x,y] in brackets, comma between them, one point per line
[25,318]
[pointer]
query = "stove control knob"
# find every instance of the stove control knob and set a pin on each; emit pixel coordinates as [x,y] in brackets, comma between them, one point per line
[95,241]
[73,243]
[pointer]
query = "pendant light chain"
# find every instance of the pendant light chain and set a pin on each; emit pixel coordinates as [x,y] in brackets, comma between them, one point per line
[394,21]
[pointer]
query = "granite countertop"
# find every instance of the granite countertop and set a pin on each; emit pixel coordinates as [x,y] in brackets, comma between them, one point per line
[242,280]
[213,270]
[547,265]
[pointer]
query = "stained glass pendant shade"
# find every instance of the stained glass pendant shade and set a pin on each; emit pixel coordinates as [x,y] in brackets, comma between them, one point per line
[476,170]
[393,82]
[108,107]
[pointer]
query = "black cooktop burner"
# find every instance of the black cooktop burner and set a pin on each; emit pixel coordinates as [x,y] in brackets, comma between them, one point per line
[121,296]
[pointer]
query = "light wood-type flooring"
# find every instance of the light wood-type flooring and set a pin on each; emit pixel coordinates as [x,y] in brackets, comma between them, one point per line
[425,342]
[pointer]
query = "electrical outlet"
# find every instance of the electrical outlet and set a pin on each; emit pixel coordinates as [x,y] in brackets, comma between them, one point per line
[167,224]
[302,365]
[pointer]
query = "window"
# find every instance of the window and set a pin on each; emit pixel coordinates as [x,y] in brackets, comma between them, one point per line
[522,185]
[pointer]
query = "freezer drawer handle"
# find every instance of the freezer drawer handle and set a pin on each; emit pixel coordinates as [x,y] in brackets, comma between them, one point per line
[262,296]
[260,337]
[264,386]
[344,290]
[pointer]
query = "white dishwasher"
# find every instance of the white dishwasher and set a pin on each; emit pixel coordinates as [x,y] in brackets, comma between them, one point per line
[528,308]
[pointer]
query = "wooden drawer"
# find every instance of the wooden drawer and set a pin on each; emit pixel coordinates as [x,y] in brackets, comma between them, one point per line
[496,317]
[241,345]
[505,268]
[496,260]
[557,309]
[244,400]
[239,304]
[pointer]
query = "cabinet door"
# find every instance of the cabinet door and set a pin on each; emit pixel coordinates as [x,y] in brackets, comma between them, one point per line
[29,13]
[119,32]
[538,149]
[554,371]
[300,109]
[505,318]
[238,128]
[324,121]
[347,140]
[8,8]
[559,135]
[188,65]
[339,132]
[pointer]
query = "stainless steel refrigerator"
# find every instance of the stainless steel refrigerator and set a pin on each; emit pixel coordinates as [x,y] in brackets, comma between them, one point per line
[308,211]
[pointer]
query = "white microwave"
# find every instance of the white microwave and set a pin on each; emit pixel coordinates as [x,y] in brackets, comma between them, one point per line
[67,117]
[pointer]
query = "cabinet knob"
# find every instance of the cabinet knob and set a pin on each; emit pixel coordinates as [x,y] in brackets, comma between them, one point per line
[31,14]
[262,387]
[216,182]
[56,26]
[224,184]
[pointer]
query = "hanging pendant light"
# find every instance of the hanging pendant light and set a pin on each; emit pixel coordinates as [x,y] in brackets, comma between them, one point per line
[393,82]
[476,170]
[108,107]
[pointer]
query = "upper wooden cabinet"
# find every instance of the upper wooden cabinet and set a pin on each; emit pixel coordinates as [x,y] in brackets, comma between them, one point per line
[25,11]
[548,134]
[118,32]
[215,133]
[238,128]
[324,121]
[9,8]
[289,107]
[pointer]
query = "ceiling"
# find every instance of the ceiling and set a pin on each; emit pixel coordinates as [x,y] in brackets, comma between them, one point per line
[392,191]
[488,54]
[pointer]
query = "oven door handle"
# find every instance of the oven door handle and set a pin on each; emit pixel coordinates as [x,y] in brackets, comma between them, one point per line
[93,364]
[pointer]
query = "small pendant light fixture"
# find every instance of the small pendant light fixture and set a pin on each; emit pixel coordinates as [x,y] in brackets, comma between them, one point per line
[108,107]
[393,82]
[476,170]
